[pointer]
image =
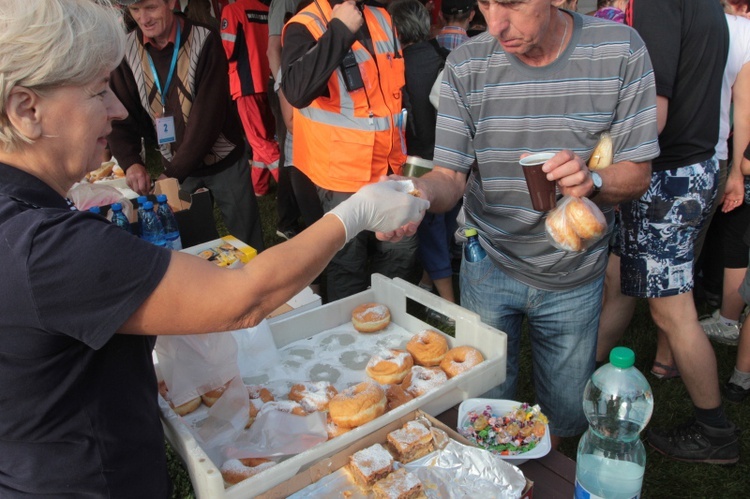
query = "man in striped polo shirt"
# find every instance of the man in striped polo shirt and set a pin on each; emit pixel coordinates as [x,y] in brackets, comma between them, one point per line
[541,79]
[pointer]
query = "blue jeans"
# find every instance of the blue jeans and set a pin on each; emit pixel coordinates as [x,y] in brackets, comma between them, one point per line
[563,329]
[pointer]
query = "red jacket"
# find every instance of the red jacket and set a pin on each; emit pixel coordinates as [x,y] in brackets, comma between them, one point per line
[244,34]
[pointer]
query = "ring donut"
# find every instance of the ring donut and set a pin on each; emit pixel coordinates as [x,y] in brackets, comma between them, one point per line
[389,366]
[421,380]
[460,359]
[313,396]
[428,348]
[370,317]
[235,470]
[358,405]
[396,396]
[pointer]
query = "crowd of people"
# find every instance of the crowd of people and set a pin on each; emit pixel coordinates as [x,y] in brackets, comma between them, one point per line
[352,107]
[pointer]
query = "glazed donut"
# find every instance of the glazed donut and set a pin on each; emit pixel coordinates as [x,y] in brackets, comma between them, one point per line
[561,231]
[396,396]
[357,405]
[313,395]
[584,220]
[257,392]
[460,359]
[209,398]
[389,366]
[428,348]
[421,380]
[370,317]
[235,470]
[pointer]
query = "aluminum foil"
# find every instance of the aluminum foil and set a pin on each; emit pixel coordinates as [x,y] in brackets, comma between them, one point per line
[453,471]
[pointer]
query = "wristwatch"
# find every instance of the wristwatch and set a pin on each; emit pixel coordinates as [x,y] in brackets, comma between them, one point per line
[597,180]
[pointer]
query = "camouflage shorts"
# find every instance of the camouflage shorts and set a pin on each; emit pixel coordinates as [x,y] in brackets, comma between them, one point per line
[659,230]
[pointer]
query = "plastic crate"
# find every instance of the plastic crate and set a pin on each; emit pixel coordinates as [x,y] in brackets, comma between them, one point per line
[395,293]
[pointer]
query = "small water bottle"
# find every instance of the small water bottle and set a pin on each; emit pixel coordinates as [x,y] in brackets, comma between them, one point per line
[119,218]
[141,201]
[169,222]
[618,403]
[473,251]
[151,228]
[95,209]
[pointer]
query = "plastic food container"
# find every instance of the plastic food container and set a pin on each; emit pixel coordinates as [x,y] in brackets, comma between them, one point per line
[500,408]
[396,294]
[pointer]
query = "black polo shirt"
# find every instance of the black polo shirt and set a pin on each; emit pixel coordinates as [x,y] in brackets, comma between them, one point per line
[78,403]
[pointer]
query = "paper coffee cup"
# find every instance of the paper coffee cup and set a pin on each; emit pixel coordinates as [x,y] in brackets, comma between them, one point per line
[541,190]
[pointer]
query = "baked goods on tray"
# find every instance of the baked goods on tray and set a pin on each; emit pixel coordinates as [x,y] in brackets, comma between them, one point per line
[370,317]
[410,442]
[369,465]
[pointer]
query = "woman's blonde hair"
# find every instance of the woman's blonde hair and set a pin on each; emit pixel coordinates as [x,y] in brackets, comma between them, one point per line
[53,43]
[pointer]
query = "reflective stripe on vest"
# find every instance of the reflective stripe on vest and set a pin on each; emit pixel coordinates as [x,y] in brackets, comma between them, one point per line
[348,139]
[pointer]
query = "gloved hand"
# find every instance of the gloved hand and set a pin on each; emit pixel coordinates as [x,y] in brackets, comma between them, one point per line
[382,206]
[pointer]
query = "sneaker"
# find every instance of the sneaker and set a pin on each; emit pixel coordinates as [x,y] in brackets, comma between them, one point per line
[698,443]
[720,332]
[735,393]
[286,234]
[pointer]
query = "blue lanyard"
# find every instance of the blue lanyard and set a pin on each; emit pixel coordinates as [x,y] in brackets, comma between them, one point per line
[163,93]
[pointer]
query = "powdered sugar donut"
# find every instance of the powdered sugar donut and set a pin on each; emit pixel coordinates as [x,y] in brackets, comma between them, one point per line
[357,405]
[428,348]
[313,395]
[235,470]
[460,359]
[421,380]
[389,366]
[370,317]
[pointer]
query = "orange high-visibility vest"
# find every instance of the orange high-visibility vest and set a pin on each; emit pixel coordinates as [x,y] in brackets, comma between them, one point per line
[349,139]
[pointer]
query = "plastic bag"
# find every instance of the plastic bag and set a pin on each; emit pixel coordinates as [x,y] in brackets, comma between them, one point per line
[603,153]
[85,195]
[575,224]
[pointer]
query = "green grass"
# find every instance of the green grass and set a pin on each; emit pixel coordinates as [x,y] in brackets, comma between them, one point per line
[664,478]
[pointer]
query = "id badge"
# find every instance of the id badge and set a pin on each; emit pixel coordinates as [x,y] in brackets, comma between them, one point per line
[165,130]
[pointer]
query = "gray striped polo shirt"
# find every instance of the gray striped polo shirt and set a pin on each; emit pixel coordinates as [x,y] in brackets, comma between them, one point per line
[493,108]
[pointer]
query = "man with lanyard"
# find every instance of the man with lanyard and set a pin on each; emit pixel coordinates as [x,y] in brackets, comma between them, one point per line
[174,84]
[343,72]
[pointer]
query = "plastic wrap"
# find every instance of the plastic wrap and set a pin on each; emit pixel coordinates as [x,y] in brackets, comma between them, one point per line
[575,224]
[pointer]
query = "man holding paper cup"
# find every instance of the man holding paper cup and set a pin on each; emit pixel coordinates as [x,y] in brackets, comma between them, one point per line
[541,80]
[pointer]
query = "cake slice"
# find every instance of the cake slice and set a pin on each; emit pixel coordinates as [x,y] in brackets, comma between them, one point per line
[411,441]
[369,465]
[398,485]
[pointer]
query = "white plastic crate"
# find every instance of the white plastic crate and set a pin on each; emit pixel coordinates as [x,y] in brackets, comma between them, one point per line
[395,293]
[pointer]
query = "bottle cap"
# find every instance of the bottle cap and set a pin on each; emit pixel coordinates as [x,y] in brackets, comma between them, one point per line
[116,206]
[161,198]
[622,357]
[95,209]
[142,199]
[148,205]
[470,232]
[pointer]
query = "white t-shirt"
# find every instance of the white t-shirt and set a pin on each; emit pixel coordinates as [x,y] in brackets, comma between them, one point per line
[739,55]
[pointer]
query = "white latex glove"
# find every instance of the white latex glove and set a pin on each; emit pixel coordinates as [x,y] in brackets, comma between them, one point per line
[382,206]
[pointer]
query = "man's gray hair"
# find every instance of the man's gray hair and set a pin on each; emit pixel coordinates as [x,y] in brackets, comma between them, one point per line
[52,43]
[411,20]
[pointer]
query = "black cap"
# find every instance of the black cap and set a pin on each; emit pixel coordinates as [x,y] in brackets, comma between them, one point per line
[454,7]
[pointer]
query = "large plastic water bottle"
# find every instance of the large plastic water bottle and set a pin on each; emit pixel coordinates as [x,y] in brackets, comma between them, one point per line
[119,218]
[169,222]
[618,403]
[151,228]
[473,251]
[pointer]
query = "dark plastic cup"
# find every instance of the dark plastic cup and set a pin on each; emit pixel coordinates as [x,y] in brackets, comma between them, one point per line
[542,191]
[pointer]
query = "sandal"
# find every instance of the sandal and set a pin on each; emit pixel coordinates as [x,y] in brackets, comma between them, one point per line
[664,371]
